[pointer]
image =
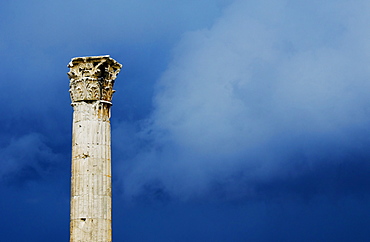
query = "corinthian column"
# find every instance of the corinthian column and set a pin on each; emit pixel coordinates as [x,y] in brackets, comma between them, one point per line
[91,83]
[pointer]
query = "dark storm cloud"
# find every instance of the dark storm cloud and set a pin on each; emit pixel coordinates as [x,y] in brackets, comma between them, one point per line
[273,92]
[38,40]
[257,119]
[20,155]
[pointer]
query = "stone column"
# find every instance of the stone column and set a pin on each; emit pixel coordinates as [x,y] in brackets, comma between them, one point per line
[91,90]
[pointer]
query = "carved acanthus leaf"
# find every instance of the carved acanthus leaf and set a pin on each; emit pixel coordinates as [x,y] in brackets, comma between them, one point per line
[92,78]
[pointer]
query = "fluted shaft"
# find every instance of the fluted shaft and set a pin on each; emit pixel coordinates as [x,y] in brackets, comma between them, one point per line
[91,173]
[91,196]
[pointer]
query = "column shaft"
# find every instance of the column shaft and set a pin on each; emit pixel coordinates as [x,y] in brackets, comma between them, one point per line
[91,202]
[91,90]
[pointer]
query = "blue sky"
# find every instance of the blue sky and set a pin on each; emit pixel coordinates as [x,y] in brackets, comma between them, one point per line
[233,120]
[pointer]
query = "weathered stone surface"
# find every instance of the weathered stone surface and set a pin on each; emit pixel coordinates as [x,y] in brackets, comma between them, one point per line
[92,78]
[91,89]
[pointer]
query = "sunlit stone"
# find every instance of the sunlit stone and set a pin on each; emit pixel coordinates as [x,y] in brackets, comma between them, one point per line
[91,90]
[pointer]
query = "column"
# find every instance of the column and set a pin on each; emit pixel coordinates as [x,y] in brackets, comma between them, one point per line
[91,90]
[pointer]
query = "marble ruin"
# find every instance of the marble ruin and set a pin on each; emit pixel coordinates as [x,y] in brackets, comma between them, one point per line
[91,90]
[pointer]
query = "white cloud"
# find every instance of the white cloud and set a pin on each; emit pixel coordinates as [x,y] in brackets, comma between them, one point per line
[258,78]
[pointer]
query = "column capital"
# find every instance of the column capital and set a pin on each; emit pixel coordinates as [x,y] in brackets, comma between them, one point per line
[92,78]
